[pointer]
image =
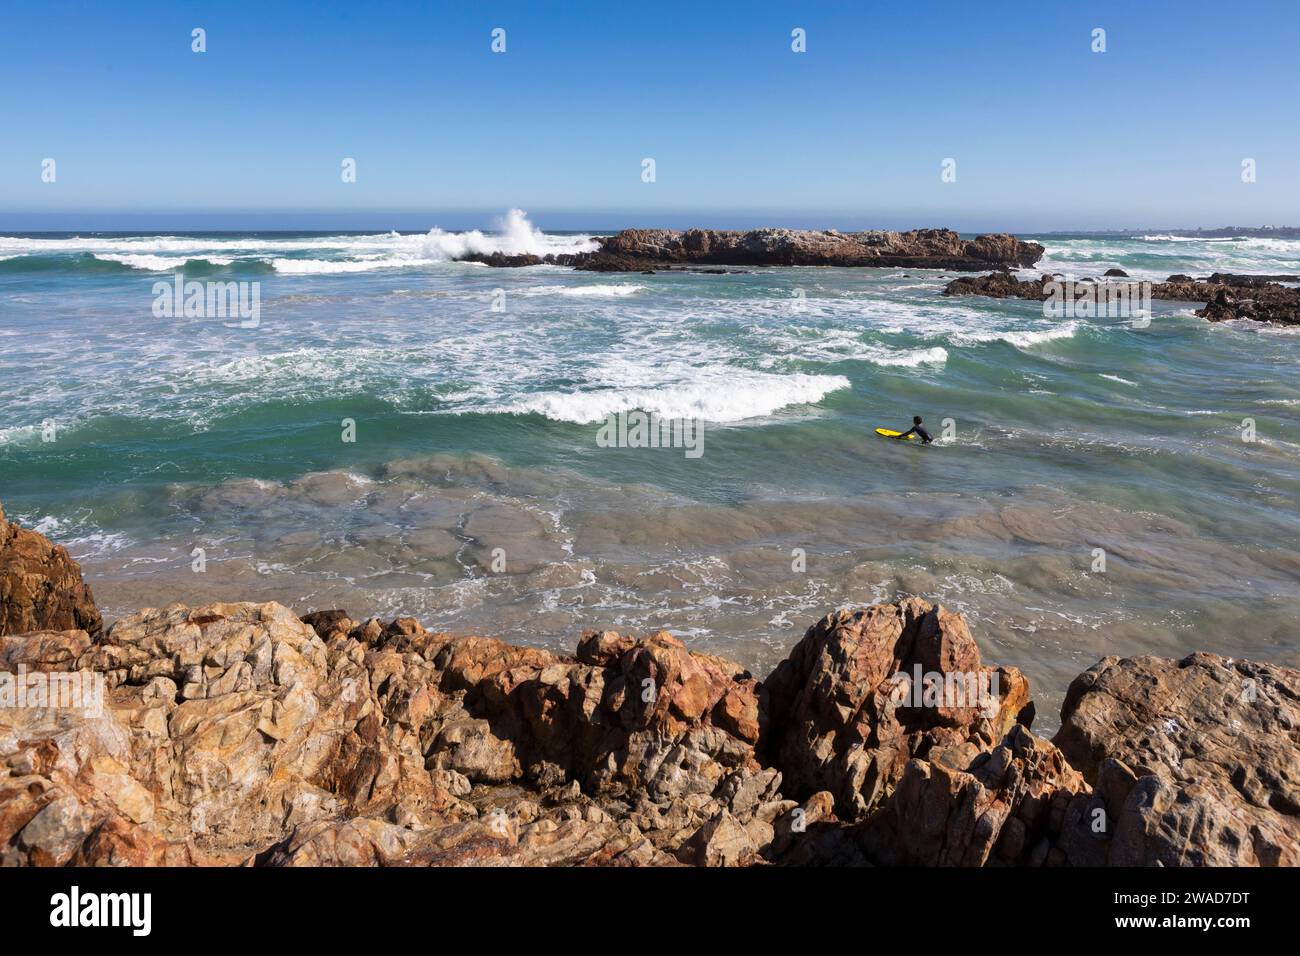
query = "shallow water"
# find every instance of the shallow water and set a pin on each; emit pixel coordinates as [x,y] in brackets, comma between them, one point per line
[476,430]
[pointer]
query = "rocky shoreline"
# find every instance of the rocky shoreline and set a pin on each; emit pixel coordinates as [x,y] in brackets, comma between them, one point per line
[242,734]
[655,250]
[1226,295]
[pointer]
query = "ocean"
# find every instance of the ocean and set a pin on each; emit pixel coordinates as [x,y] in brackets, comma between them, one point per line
[1098,487]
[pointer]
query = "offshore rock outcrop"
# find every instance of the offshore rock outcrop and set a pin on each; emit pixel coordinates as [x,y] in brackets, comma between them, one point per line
[1226,295]
[641,250]
[241,734]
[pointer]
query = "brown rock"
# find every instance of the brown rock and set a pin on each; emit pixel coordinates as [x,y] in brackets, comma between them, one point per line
[995,811]
[1225,296]
[603,647]
[237,733]
[720,842]
[41,587]
[848,707]
[652,715]
[327,624]
[638,249]
[43,650]
[1214,747]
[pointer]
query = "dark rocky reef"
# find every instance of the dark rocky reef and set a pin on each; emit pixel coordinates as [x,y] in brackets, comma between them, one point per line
[1226,295]
[641,250]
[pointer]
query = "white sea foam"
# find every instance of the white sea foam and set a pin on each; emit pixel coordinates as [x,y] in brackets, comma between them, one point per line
[516,236]
[19,433]
[1251,327]
[1290,247]
[49,525]
[340,266]
[936,355]
[1156,256]
[1116,378]
[1161,237]
[1020,338]
[153,263]
[717,395]
[830,345]
[603,289]
[97,545]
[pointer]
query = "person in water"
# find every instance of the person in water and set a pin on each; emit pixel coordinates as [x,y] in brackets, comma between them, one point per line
[918,430]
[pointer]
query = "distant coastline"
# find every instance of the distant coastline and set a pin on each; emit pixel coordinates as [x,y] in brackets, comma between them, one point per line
[1219,232]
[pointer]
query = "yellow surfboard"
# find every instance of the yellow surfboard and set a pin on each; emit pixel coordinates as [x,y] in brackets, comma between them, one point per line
[890,433]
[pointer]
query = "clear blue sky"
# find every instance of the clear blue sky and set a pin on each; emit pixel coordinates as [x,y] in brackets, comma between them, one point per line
[1046,133]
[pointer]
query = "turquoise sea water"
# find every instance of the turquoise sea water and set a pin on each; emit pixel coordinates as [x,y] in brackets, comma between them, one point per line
[477,394]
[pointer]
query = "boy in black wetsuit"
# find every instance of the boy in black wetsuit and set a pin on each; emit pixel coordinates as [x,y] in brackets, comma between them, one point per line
[918,430]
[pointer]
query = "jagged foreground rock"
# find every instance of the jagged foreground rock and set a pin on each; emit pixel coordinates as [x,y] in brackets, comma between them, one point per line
[40,585]
[841,719]
[238,733]
[1199,758]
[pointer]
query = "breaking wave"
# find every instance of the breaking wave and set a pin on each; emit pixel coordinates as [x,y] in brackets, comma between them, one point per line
[296,255]
[716,395]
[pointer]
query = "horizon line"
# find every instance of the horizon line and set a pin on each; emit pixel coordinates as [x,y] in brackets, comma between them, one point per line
[466,218]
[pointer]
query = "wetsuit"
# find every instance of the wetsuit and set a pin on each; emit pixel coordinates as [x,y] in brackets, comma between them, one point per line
[917,429]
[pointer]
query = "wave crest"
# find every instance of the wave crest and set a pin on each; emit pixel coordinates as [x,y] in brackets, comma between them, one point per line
[291,255]
[724,395]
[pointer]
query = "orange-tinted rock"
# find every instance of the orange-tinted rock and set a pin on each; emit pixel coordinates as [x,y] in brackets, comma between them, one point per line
[237,733]
[849,707]
[41,588]
[1006,807]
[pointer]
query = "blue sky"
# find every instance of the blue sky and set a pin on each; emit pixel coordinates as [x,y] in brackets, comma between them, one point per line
[1046,134]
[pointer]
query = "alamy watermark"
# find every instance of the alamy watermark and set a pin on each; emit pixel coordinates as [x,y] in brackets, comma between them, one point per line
[75,908]
[81,691]
[1085,300]
[638,429]
[953,690]
[209,300]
